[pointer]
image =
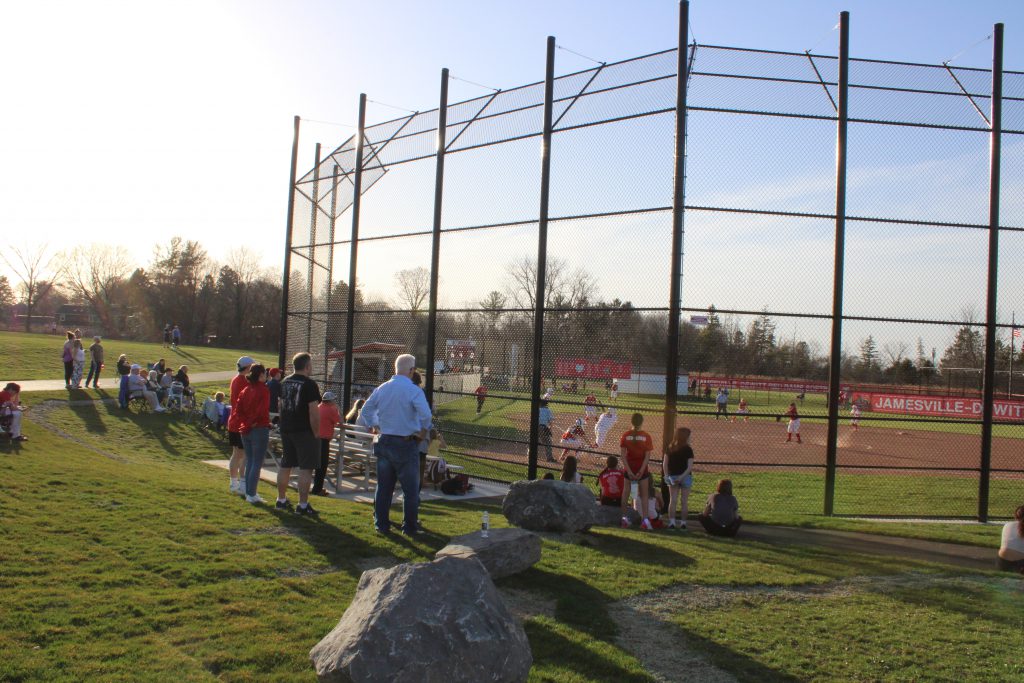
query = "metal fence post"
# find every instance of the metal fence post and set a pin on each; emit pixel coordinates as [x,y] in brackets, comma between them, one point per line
[835,365]
[330,270]
[542,256]
[350,320]
[435,246]
[995,154]
[678,200]
[312,249]
[289,224]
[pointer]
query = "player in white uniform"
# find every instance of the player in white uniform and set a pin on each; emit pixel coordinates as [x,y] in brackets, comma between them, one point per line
[573,439]
[605,422]
[548,393]
[855,415]
[613,393]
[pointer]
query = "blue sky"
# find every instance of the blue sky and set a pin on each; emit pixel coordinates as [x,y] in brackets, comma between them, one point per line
[132,122]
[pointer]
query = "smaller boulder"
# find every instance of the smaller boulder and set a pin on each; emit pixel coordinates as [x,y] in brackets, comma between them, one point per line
[504,552]
[549,505]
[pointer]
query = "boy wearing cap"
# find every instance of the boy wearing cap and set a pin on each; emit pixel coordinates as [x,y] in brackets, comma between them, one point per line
[238,382]
[330,418]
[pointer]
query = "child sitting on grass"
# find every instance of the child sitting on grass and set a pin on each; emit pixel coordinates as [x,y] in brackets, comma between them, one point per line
[214,410]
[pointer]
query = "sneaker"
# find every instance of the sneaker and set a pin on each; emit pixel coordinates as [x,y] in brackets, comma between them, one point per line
[160,409]
[235,486]
[646,524]
[307,511]
[254,499]
[671,524]
[682,526]
[625,523]
[21,437]
[283,505]
[658,524]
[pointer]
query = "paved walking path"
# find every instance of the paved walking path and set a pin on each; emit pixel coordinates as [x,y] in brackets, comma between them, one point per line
[111,382]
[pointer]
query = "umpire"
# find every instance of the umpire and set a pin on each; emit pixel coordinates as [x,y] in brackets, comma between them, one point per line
[398,411]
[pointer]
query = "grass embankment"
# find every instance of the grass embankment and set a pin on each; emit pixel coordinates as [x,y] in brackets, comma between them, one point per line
[134,563]
[38,356]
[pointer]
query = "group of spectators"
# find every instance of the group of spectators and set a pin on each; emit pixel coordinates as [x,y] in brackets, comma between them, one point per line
[159,386]
[74,356]
[634,480]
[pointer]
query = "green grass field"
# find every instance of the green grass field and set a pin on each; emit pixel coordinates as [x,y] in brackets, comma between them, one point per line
[38,356]
[125,559]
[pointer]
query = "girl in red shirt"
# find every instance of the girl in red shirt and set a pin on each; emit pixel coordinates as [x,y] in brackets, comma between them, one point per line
[330,418]
[252,412]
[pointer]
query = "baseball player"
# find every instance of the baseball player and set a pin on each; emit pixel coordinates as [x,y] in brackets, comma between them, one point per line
[605,422]
[855,415]
[573,439]
[613,393]
[743,409]
[590,407]
[793,427]
[548,393]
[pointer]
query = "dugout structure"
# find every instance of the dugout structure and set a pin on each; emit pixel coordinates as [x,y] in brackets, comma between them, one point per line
[699,210]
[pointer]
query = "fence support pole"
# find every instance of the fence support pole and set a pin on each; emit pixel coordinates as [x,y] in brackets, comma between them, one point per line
[357,191]
[542,257]
[435,246]
[995,154]
[678,200]
[289,224]
[835,351]
[312,250]
[330,271]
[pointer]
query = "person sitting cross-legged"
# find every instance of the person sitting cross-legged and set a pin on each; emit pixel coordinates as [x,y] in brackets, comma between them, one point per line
[720,516]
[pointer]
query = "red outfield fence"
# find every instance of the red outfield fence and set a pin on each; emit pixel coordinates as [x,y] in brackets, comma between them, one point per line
[938,406]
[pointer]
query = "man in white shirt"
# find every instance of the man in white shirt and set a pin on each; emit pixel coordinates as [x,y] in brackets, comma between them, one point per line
[398,411]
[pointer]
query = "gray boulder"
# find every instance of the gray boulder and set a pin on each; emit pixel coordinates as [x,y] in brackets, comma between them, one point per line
[606,515]
[549,505]
[436,622]
[504,552]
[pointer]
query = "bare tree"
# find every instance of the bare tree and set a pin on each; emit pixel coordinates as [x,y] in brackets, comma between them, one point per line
[95,274]
[413,287]
[562,288]
[37,270]
[895,352]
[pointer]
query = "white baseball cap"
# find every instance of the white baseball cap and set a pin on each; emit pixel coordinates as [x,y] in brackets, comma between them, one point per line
[244,362]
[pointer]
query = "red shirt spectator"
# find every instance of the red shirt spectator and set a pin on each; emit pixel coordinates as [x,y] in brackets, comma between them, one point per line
[252,407]
[238,382]
[612,483]
[638,444]
[330,417]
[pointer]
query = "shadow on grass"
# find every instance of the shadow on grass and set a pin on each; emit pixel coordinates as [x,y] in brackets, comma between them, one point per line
[741,666]
[555,649]
[577,603]
[629,548]
[89,414]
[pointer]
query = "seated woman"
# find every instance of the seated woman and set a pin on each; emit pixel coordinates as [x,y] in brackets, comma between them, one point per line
[182,376]
[570,473]
[11,409]
[153,384]
[137,386]
[720,516]
[1011,550]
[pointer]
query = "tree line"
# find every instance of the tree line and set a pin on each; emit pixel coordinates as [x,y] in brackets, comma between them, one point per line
[236,303]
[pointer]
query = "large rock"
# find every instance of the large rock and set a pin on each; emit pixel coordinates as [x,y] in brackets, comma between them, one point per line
[504,552]
[436,622]
[549,505]
[606,515]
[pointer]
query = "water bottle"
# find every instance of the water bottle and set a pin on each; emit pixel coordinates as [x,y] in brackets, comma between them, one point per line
[485,525]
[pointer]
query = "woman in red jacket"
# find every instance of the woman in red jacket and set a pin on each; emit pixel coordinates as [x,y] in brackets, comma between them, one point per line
[253,411]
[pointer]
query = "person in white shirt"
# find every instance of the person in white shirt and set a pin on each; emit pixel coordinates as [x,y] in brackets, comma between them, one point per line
[137,385]
[1011,549]
[604,424]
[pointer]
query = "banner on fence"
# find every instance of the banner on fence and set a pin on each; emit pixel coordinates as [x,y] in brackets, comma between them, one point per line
[938,406]
[795,386]
[592,369]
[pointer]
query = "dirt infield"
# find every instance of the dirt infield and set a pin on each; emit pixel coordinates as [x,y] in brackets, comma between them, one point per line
[749,445]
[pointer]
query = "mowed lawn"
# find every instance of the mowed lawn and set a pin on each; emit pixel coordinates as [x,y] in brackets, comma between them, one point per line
[125,559]
[38,356]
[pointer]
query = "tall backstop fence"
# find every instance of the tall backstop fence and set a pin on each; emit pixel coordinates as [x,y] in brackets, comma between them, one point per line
[713,237]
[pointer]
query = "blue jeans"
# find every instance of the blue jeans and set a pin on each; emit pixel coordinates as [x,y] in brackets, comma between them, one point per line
[122,393]
[94,371]
[398,459]
[255,446]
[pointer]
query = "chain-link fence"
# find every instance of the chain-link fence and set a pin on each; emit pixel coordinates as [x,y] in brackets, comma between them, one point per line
[832,235]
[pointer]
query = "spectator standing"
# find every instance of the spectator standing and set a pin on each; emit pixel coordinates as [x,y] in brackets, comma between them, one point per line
[481,396]
[68,357]
[300,424]
[237,461]
[720,516]
[636,446]
[175,337]
[677,468]
[77,364]
[95,363]
[398,411]
[123,370]
[330,418]
[253,410]
[167,335]
[1011,548]
[274,385]
[10,402]
[545,418]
